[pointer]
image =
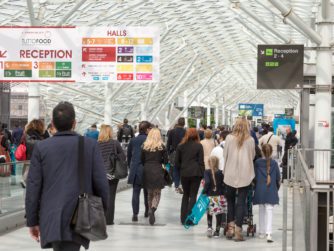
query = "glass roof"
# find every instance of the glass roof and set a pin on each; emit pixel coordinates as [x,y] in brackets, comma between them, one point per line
[212,39]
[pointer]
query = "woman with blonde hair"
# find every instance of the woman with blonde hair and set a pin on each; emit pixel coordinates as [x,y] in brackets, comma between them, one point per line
[110,146]
[154,156]
[208,144]
[239,152]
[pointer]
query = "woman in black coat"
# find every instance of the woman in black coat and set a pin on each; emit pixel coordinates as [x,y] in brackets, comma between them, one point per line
[190,160]
[153,156]
[110,146]
[34,132]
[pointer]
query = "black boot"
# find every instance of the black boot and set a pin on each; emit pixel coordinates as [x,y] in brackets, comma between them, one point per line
[151,215]
[146,213]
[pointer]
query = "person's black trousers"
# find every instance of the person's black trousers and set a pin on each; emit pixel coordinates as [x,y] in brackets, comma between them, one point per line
[236,211]
[136,198]
[190,187]
[65,246]
[111,202]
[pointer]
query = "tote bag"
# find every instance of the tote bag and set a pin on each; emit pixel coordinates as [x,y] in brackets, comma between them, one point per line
[88,218]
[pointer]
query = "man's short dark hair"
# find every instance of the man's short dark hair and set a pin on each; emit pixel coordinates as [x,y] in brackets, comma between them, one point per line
[144,126]
[270,129]
[63,116]
[181,121]
[125,121]
[93,126]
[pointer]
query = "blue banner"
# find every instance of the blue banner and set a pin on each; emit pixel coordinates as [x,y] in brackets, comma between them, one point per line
[255,110]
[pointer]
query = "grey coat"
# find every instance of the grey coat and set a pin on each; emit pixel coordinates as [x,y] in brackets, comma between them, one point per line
[53,185]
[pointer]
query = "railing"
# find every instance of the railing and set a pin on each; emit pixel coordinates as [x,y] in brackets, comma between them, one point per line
[312,202]
[11,190]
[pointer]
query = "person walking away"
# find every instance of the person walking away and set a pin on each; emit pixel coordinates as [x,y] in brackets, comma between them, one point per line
[17,135]
[208,144]
[92,132]
[125,132]
[218,151]
[290,141]
[136,169]
[273,140]
[239,153]
[153,156]
[175,136]
[267,183]
[110,146]
[53,183]
[190,161]
[34,132]
[213,187]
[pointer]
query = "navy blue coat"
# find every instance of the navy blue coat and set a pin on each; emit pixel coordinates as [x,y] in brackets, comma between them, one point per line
[53,185]
[134,159]
[266,194]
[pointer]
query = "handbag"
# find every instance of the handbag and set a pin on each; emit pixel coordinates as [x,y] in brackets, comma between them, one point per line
[119,165]
[21,152]
[167,175]
[88,219]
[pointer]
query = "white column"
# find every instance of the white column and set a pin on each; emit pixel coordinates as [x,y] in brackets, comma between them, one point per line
[216,116]
[185,104]
[143,112]
[229,117]
[108,104]
[208,115]
[223,115]
[198,123]
[323,104]
[167,122]
[33,101]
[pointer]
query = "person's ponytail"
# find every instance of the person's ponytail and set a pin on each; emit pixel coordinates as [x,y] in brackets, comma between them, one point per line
[268,171]
[267,151]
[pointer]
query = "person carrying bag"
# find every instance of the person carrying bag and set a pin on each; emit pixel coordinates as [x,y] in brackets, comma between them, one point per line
[88,218]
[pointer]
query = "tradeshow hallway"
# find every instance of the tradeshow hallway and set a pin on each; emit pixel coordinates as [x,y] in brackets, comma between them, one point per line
[167,234]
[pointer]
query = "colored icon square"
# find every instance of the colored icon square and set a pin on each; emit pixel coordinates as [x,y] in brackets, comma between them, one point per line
[269,52]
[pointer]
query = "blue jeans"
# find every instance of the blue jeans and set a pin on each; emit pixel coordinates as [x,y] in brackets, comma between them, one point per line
[176,176]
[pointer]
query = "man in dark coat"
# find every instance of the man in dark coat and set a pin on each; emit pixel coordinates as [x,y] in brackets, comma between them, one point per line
[175,136]
[136,168]
[53,183]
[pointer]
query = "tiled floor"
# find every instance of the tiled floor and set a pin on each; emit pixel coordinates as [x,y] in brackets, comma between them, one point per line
[168,234]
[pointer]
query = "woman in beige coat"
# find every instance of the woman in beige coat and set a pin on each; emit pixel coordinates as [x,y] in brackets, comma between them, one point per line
[208,144]
[239,152]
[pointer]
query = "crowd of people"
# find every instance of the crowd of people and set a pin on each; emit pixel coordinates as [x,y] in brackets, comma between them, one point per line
[229,164]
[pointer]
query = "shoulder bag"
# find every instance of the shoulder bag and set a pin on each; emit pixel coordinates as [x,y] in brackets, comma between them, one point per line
[88,219]
[119,165]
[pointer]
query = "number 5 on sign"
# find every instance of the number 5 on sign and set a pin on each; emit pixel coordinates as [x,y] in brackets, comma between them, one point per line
[35,65]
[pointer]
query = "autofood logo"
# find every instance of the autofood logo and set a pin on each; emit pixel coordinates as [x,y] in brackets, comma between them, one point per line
[40,38]
[36,41]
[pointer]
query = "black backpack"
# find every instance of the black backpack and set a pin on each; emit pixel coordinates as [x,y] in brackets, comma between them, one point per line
[127,131]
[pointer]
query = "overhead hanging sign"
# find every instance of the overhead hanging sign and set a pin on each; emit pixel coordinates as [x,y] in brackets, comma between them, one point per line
[83,54]
[120,54]
[38,54]
[255,110]
[280,66]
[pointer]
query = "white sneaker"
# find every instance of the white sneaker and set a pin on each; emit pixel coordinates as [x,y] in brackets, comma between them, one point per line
[209,232]
[262,236]
[269,239]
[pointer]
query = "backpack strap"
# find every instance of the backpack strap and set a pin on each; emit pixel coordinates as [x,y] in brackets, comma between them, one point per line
[270,138]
